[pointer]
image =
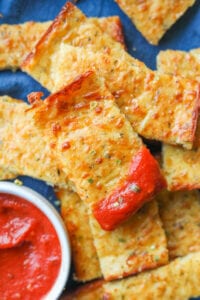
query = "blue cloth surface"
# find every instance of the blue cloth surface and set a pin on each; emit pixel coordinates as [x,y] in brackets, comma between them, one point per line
[184,35]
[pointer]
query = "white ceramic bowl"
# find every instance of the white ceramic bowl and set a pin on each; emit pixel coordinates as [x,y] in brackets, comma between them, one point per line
[51,213]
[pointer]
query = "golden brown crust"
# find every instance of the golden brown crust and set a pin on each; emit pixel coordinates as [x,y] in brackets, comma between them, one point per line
[154,18]
[62,119]
[136,245]
[156,110]
[23,148]
[113,26]
[75,215]
[181,166]
[66,10]
[19,40]
[180,214]
[175,281]
[89,126]
[71,32]
[176,62]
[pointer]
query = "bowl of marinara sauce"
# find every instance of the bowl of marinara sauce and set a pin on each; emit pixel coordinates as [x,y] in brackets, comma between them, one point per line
[34,246]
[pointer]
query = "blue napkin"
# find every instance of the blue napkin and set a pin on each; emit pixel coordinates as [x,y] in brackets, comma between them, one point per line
[184,35]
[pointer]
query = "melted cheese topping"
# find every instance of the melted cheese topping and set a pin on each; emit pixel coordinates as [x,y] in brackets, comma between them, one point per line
[154,17]
[75,215]
[181,167]
[180,214]
[23,148]
[94,142]
[20,39]
[156,110]
[177,280]
[136,245]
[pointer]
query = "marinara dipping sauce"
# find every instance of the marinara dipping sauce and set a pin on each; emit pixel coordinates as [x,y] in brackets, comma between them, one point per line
[30,251]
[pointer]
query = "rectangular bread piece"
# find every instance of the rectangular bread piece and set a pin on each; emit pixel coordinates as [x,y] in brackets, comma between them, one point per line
[136,245]
[180,215]
[177,280]
[156,110]
[181,167]
[75,215]
[20,39]
[152,17]
[98,149]
[23,148]
[174,62]
[180,279]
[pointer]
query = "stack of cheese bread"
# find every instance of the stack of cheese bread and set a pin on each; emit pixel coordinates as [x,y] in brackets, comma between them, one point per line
[134,227]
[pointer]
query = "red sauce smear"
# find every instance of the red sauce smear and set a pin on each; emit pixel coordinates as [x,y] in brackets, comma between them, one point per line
[144,180]
[30,253]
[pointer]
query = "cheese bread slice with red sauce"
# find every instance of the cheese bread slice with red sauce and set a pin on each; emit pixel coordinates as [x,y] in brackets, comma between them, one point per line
[156,110]
[153,18]
[136,245]
[20,39]
[123,251]
[75,215]
[180,215]
[181,167]
[23,148]
[96,147]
